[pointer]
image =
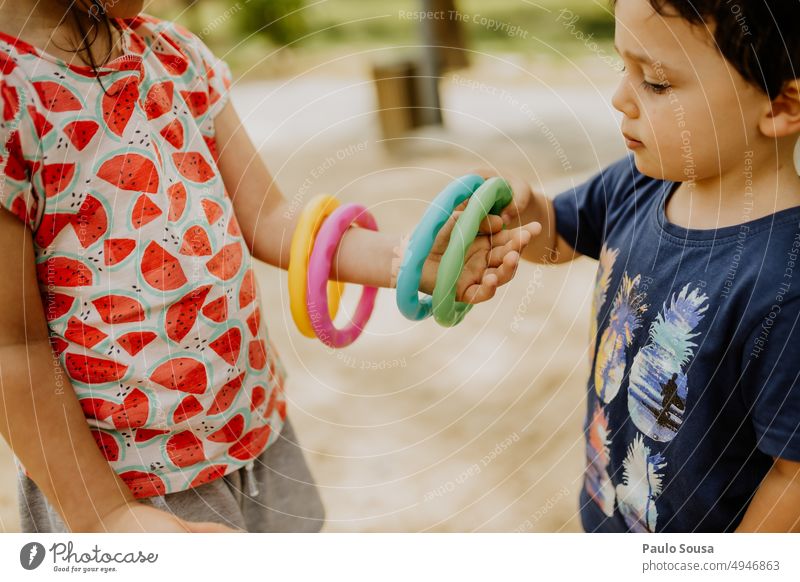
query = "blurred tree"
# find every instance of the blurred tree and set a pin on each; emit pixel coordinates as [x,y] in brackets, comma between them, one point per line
[282,21]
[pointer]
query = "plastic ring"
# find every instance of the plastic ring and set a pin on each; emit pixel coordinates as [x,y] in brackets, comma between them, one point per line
[494,195]
[311,219]
[419,247]
[319,269]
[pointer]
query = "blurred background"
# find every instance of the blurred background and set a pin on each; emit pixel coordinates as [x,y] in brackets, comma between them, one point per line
[416,427]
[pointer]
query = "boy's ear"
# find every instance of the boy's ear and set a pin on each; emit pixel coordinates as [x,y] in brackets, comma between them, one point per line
[782,116]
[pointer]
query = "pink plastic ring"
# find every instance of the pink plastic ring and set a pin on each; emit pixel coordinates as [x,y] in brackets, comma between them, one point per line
[319,269]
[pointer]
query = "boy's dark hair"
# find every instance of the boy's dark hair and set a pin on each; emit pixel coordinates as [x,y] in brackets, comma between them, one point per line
[758,37]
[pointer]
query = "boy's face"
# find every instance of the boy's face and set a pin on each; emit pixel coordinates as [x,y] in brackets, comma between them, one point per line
[693,114]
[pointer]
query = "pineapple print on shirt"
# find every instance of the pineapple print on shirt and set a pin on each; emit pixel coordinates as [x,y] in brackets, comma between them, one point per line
[658,385]
[625,318]
[641,485]
[146,281]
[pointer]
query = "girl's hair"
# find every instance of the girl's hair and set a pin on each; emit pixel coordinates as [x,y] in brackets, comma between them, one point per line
[88,24]
[758,37]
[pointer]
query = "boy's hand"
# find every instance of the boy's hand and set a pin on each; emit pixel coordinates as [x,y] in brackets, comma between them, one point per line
[139,517]
[490,261]
[523,195]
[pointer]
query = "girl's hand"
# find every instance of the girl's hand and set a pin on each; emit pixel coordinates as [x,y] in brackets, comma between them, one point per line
[523,195]
[490,261]
[139,517]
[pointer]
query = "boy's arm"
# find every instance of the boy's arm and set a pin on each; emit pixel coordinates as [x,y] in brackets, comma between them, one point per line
[776,505]
[41,418]
[530,206]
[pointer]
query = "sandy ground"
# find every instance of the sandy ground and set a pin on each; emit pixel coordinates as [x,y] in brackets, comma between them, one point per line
[418,427]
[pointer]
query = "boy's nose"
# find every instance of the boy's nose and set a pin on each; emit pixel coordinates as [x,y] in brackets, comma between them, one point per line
[624,100]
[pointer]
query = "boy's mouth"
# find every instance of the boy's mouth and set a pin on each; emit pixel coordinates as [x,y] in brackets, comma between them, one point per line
[632,142]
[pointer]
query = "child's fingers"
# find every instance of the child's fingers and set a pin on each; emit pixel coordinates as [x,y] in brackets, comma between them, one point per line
[491,224]
[505,272]
[517,240]
[478,293]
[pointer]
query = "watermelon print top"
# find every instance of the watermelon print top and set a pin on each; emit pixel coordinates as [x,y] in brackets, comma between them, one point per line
[150,297]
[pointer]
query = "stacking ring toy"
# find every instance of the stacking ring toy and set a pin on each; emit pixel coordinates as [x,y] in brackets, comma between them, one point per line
[319,269]
[315,212]
[421,243]
[490,198]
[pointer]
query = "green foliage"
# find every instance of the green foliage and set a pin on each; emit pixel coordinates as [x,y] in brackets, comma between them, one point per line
[282,21]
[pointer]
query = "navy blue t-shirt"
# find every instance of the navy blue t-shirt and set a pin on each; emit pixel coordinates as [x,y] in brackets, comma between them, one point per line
[695,356]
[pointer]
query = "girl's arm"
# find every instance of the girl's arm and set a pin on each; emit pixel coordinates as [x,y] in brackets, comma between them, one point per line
[776,505]
[41,418]
[365,257]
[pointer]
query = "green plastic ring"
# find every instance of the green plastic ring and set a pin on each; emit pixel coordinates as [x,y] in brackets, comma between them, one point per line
[490,198]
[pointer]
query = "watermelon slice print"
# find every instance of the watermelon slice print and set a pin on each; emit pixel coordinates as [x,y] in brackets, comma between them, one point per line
[247,291]
[56,97]
[144,211]
[159,99]
[40,123]
[64,272]
[115,309]
[173,133]
[212,210]
[251,444]
[217,310]
[254,321]
[177,201]
[92,370]
[195,242]
[257,354]
[50,227]
[193,166]
[116,250]
[135,341]
[56,178]
[55,305]
[91,221]
[257,397]
[15,164]
[85,335]
[208,474]
[181,316]
[108,445]
[132,413]
[226,395]
[58,345]
[174,64]
[230,432]
[145,434]
[228,345]
[182,374]
[80,133]
[143,484]
[185,449]
[187,408]
[160,269]
[196,101]
[130,171]
[226,263]
[119,103]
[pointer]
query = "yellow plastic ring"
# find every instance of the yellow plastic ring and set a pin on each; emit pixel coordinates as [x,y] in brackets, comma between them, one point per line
[311,219]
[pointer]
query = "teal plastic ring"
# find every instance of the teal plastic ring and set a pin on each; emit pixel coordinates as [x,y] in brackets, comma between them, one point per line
[419,247]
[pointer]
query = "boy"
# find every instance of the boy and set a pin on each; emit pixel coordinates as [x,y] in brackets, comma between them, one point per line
[693,420]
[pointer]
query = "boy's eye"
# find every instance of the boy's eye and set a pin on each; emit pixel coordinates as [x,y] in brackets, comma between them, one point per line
[656,88]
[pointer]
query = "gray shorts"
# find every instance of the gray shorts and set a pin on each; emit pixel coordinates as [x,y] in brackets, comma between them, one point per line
[287,498]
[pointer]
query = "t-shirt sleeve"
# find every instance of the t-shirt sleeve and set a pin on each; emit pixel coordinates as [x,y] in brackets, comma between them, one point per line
[582,211]
[16,192]
[771,381]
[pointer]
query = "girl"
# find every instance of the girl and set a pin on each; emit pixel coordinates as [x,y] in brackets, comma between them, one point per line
[132,203]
